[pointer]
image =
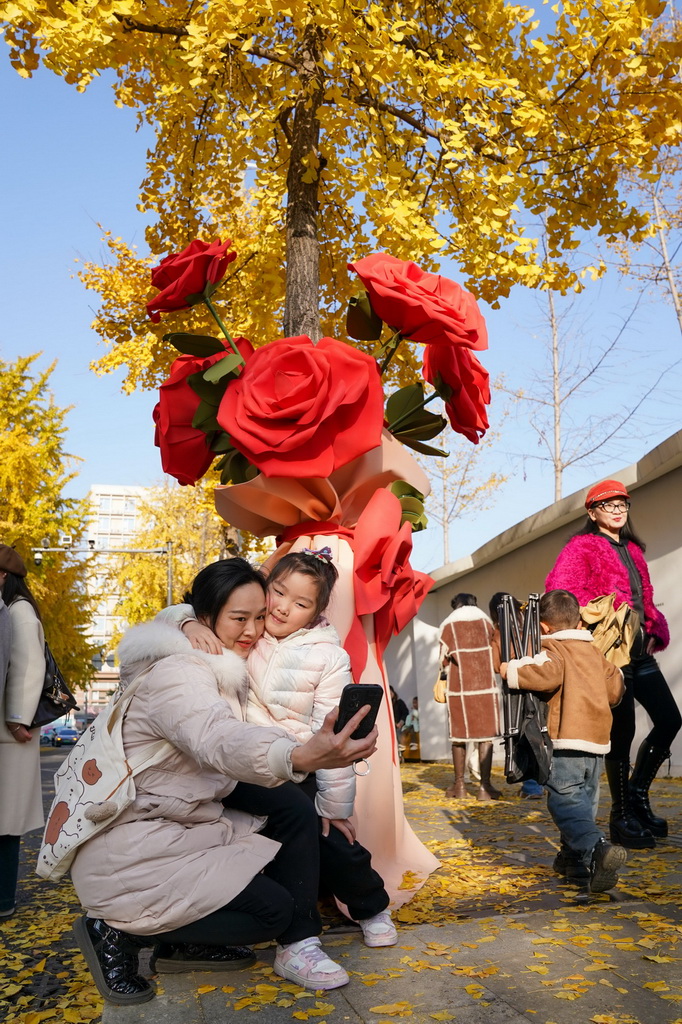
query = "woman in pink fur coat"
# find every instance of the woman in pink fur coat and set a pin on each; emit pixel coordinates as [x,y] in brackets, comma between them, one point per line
[607,557]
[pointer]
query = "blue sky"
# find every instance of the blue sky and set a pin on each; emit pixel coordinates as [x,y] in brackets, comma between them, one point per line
[71,160]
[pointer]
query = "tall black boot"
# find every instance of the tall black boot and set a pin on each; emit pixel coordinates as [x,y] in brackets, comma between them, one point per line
[624,827]
[649,760]
[112,956]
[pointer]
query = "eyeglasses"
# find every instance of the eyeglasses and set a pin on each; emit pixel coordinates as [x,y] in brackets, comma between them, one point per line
[614,506]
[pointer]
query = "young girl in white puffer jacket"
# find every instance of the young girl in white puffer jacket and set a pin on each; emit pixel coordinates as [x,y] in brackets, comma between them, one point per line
[297,671]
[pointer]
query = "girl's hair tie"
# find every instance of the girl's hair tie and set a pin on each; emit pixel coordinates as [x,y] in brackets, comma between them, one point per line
[324,554]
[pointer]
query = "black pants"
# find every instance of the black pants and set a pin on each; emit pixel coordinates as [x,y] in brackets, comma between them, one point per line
[304,865]
[281,902]
[644,683]
[9,870]
[261,912]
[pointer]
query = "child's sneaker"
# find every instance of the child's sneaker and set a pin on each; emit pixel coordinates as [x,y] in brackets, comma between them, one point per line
[606,862]
[379,930]
[306,964]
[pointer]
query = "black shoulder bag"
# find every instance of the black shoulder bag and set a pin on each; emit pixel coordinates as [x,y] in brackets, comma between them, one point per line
[56,699]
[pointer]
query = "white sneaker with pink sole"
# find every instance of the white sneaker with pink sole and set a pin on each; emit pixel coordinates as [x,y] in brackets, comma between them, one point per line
[306,964]
[379,930]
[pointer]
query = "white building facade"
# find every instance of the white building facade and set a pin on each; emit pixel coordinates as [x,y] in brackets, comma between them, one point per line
[113,521]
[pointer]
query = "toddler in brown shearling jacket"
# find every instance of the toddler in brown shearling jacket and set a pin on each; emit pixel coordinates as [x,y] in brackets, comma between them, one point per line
[580,687]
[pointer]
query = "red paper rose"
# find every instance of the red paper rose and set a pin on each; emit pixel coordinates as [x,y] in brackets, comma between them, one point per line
[463,383]
[184,449]
[426,308]
[187,273]
[304,410]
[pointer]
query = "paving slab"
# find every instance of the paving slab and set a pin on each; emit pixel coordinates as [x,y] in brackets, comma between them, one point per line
[493,938]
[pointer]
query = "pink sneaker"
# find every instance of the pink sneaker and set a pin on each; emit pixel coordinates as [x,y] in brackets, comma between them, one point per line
[379,930]
[306,964]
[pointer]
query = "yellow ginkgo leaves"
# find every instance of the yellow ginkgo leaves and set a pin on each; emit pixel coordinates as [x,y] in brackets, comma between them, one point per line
[435,136]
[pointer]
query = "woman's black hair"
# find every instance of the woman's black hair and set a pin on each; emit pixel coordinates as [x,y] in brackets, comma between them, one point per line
[627,532]
[322,571]
[496,601]
[16,586]
[212,587]
[462,600]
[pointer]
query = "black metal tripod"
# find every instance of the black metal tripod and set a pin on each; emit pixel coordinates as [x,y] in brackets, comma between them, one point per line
[527,746]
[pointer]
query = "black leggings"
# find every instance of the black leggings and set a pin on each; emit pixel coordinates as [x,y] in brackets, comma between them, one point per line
[303,866]
[644,683]
[260,912]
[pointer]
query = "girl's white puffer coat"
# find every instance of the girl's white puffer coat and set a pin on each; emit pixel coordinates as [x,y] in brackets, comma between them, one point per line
[294,683]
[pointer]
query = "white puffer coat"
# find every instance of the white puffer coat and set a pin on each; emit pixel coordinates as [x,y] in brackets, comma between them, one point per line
[294,683]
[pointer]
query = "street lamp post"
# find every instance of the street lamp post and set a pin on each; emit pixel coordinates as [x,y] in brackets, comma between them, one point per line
[90,550]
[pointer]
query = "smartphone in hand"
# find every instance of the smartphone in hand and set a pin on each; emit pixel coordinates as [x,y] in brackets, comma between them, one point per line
[353,697]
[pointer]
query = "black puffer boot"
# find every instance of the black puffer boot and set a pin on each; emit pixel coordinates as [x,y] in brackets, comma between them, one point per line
[649,760]
[112,956]
[176,957]
[624,828]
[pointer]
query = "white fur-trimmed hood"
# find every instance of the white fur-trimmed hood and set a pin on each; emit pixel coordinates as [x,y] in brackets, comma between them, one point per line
[467,613]
[143,645]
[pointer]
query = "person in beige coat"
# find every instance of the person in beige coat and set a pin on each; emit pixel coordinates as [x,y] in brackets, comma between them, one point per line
[21,807]
[177,870]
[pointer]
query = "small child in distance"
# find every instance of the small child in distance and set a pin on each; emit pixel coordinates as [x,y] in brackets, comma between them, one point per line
[580,687]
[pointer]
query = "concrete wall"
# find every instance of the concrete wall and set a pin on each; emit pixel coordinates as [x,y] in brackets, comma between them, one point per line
[519,560]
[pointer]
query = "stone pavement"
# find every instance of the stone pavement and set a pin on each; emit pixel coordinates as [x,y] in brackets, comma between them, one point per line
[492,937]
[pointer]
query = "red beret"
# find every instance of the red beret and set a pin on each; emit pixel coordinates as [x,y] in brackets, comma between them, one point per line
[605,490]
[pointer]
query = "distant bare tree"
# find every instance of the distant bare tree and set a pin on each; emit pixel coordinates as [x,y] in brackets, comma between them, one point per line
[459,484]
[579,375]
[655,260]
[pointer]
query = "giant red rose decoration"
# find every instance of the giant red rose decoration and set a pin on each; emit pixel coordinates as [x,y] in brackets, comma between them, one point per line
[184,275]
[185,453]
[300,409]
[463,383]
[424,307]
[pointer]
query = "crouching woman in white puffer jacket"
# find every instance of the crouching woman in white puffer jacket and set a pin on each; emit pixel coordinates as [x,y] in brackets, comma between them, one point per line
[177,870]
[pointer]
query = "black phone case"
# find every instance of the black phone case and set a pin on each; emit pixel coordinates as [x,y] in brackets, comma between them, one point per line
[353,697]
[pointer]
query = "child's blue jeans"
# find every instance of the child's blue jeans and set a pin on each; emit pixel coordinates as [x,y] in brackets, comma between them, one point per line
[572,800]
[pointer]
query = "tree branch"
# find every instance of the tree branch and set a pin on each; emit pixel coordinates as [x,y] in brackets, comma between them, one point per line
[132,25]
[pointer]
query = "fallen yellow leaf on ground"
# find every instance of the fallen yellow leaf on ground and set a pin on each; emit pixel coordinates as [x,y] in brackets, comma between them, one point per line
[393,1009]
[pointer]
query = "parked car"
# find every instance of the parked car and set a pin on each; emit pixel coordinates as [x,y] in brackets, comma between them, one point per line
[46,734]
[64,737]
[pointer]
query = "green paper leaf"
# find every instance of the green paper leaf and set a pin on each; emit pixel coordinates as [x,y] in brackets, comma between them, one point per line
[222,443]
[362,323]
[194,299]
[210,393]
[194,344]
[402,489]
[422,426]
[404,401]
[235,468]
[223,368]
[425,449]
[205,418]
[411,503]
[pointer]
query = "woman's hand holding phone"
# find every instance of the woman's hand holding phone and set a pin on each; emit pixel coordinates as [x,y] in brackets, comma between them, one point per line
[329,749]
